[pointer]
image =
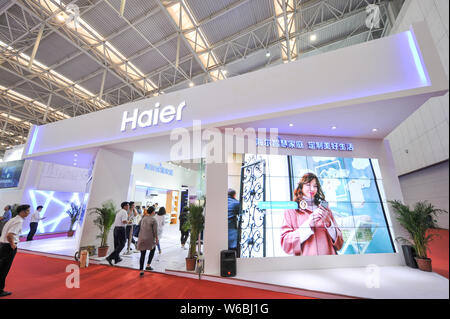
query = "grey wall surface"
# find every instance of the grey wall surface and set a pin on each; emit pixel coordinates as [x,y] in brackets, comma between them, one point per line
[429,184]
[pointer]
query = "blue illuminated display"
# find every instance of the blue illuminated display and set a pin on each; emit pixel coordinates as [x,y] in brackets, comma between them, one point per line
[311,145]
[159,169]
[55,205]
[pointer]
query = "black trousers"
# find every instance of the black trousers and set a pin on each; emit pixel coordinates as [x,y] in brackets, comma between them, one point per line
[119,243]
[184,236]
[33,228]
[150,258]
[7,255]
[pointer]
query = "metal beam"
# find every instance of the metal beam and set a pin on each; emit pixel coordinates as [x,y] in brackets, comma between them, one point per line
[185,41]
[6,7]
[145,38]
[122,7]
[94,56]
[36,46]
[264,46]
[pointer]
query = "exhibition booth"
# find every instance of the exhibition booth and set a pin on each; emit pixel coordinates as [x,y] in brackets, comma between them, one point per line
[259,134]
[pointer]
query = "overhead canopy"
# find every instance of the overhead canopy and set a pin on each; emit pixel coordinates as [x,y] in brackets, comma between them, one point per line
[377,84]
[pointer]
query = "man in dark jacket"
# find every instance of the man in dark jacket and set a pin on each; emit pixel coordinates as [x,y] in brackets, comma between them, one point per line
[233,213]
[183,219]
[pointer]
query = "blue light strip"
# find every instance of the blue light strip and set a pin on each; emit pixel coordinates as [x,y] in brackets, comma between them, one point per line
[277,205]
[33,139]
[417,59]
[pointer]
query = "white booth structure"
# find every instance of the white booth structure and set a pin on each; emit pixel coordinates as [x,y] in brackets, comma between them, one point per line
[353,97]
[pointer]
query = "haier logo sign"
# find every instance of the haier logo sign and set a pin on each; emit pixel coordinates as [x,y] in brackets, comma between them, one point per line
[152,117]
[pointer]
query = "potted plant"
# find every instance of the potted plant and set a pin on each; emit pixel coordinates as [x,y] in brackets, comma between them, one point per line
[195,224]
[104,221]
[14,211]
[74,213]
[417,222]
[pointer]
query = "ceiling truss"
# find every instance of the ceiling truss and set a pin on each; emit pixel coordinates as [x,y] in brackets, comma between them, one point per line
[41,95]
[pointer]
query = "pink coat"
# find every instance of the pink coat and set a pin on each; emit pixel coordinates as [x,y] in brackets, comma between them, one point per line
[320,243]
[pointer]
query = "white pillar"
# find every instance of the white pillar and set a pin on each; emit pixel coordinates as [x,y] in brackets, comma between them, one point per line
[110,180]
[216,225]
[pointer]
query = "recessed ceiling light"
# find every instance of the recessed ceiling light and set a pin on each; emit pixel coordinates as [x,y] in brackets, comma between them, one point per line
[333,127]
[191,84]
[291,124]
[285,61]
[75,155]
[313,37]
[267,54]
[225,72]
[74,164]
[374,130]
[60,18]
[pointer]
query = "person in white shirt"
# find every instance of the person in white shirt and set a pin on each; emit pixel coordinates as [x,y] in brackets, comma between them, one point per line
[8,244]
[129,229]
[35,218]
[161,220]
[119,233]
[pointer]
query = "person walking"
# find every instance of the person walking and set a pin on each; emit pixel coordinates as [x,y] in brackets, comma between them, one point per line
[138,222]
[161,220]
[183,219]
[233,214]
[8,244]
[119,233]
[148,239]
[6,216]
[35,218]
[129,229]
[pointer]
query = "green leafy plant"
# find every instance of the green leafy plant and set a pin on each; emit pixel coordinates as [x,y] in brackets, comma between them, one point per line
[105,219]
[14,211]
[417,222]
[195,224]
[74,213]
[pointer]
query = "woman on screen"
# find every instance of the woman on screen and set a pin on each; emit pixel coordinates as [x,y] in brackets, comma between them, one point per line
[311,229]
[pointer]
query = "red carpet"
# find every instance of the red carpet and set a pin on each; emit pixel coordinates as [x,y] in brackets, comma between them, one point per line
[439,251]
[34,276]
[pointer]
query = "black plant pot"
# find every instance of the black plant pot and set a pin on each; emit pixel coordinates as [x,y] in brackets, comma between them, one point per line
[409,254]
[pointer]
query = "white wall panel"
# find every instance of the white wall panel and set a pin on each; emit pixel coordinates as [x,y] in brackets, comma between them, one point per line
[429,125]
[431,120]
[110,180]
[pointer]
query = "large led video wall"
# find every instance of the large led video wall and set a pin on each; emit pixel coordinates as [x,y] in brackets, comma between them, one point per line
[307,206]
[10,173]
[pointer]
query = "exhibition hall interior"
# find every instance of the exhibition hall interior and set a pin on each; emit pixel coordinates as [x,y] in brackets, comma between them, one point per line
[260,149]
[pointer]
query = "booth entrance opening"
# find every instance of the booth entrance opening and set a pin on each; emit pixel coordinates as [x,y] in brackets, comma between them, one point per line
[168,184]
